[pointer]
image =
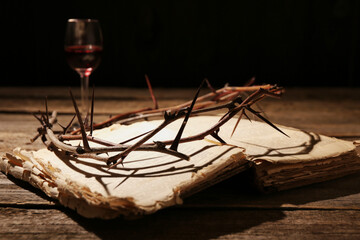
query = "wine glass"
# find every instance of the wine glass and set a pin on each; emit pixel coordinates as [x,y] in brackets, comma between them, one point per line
[83,48]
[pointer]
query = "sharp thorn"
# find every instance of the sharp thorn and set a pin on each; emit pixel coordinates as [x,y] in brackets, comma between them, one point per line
[156,106]
[92,112]
[82,128]
[176,141]
[46,111]
[266,120]
[237,122]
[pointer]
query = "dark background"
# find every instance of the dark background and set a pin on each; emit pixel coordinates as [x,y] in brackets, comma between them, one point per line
[178,43]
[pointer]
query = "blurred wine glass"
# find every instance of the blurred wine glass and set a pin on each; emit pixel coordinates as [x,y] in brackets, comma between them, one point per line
[83,48]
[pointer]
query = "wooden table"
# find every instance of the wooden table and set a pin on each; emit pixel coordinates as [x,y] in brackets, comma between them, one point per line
[229,210]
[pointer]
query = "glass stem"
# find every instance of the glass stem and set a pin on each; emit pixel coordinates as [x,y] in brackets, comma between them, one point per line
[84,95]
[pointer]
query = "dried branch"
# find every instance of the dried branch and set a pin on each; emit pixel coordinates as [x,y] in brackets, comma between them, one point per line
[222,95]
[51,140]
[225,98]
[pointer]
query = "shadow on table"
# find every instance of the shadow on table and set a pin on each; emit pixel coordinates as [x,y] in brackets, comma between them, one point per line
[326,194]
[179,223]
[217,211]
[220,211]
[227,208]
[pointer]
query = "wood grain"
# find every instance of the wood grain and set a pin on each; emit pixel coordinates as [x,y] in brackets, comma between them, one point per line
[178,223]
[300,108]
[16,192]
[228,210]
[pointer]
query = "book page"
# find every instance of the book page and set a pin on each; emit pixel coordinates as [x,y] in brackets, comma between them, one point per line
[147,180]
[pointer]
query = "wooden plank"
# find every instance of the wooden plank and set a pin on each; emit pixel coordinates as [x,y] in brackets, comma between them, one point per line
[65,105]
[178,223]
[320,116]
[226,211]
[16,192]
[338,123]
[40,224]
[108,100]
[333,112]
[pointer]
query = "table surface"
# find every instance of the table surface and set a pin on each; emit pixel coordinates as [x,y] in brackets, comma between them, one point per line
[228,210]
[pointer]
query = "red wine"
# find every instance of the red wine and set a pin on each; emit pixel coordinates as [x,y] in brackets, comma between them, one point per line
[85,57]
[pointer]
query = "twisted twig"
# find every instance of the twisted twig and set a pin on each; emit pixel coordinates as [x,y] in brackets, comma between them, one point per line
[225,98]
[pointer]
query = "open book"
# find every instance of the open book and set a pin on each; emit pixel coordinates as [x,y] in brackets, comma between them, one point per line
[149,181]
